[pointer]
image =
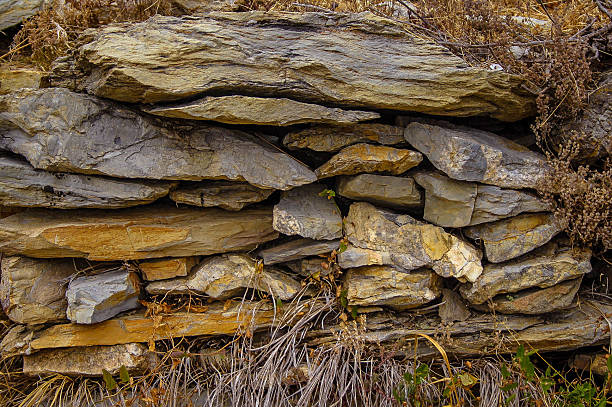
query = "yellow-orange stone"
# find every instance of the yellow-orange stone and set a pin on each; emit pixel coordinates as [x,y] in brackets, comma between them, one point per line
[161,269]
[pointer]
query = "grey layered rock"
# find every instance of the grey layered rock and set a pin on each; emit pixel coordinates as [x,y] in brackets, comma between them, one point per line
[304,211]
[90,360]
[296,56]
[33,291]
[334,138]
[395,192]
[544,268]
[231,196]
[360,158]
[22,185]
[297,249]
[468,154]
[452,308]
[58,130]
[388,238]
[225,276]
[239,109]
[384,285]
[13,12]
[509,238]
[452,203]
[93,299]
[535,301]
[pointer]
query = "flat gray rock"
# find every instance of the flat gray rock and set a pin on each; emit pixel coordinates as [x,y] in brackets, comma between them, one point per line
[297,249]
[335,138]
[307,211]
[93,299]
[468,154]
[543,268]
[23,186]
[58,130]
[509,238]
[226,276]
[231,196]
[13,12]
[394,192]
[364,61]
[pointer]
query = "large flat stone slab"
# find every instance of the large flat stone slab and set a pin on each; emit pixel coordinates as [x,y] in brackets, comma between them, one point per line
[360,158]
[335,138]
[23,186]
[509,238]
[394,192]
[385,285]
[134,233]
[239,109]
[468,154]
[90,360]
[389,238]
[357,60]
[231,196]
[33,291]
[308,212]
[297,249]
[544,268]
[58,130]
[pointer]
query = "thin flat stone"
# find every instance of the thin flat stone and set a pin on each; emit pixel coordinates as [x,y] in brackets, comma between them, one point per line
[394,192]
[231,196]
[297,249]
[163,269]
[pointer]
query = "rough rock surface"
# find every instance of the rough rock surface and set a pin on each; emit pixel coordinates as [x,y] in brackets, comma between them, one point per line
[400,240]
[452,203]
[21,185]
[468,154]
[334,138]
[302,56]
[58,130]
[13,77]
[543,268]
[33,290]
[231,196]
[225,276]
[395,192]
[535,301]
[133,233]
[93,299]
[163,269]
[308,212]
[385,285]
[309,267]
[509,238]
[297,249]
[89,361]
[238,109]
[360,158]
[452,308]
[12,12]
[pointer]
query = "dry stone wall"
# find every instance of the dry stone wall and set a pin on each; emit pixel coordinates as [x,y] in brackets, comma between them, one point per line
[222,154]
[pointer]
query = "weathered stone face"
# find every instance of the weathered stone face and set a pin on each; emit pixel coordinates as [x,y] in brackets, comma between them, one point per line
[89,361]
[297,249]
[468,154]
[163,269]
[334,138]
[12,12]
[23,186]
[360,158]
[231,196]
[452,308]
[544,268]
[13,78]
[307,211]
[535,301]
[506,239]
[58,130]
[298,56]
[399,240]
[225,276]
[262,111]
[133,233]
[93,299]
[394,192]
[309,267]
[384,285]
[33,290]
[452,203]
